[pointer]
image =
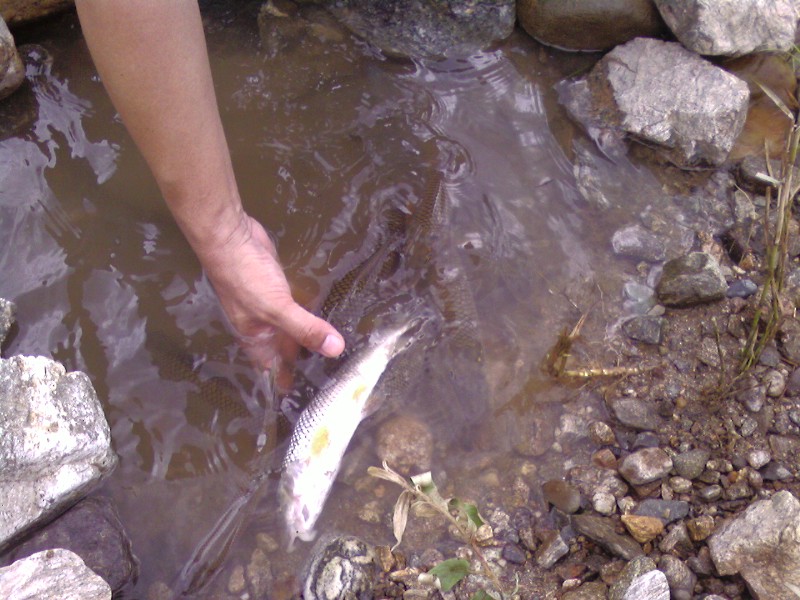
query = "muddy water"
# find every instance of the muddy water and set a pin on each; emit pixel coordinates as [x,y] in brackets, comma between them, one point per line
[325,133]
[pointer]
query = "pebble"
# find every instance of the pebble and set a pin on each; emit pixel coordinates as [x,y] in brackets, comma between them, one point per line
[691,464]
[700,527]
[711,493]
[636,414]
[602,531]
[676,540]
[514,554]
[752,396]
[748,427]
[642,528]
[680,485]
[601,433]
[562,495]
[645,329]
[775,383]
[236,582]
[758,457]
[666,510]
[741,288]
[680,577]
[645,466]
[640,580]
[604,503]
[553,547]
[793,385]
[775,471]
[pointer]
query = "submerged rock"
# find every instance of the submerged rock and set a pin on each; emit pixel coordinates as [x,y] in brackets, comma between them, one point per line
[405,443]
[411,28]
[92,530]
[12,71]
[721,27]
[664,96]
[691,279]
[342,567]
[55,573]
[55,443]
[17,12]
[640,580]
[588,25]
[763,545]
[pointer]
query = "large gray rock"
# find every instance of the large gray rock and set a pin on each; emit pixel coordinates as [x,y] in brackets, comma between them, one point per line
[52,574]
[664,96]
[722,27]
[55,443]
[762,544]
[692,279]
[588,24]
[12,71]
[640,580]
[413,28]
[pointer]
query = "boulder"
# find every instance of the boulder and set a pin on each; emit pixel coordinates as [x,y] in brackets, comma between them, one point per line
[55,573]
[660,94]
[722,27]
[12,71]
[762,544]
[588,25]
[55,443]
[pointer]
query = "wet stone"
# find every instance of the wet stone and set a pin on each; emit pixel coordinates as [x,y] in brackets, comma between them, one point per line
[748,427]
[680,485]
[752,395]
[645,329]
[604,503]
[642,528]
[691,279]
[601,530]
[601,433]
[640,580]
[677,540]
[591,590]
[637,242]
[7,312]
[562,495]
[514,554]
[680,578]
[775,471]
[342,567]
[700,527]
[646,439]
[775,383]
[758,457]
[710,493]
[741,288]
[636,414]
[645,466]
[784,448]
[793,385]
[552,548]
[53,574]
[405,443]
[666,510]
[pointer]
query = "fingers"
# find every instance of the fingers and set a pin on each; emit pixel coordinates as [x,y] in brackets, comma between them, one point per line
[311,332]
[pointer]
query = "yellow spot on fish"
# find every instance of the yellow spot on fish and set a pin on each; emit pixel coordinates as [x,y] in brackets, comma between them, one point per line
[320,441]
[359,391]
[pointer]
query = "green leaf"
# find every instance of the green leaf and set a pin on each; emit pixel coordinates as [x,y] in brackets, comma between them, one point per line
[450,572]
[466,509]
[480,595]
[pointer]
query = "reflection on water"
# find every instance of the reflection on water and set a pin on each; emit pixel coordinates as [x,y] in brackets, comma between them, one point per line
[326,134]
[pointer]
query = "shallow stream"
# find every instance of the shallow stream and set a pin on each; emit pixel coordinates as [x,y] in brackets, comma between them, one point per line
[325,133]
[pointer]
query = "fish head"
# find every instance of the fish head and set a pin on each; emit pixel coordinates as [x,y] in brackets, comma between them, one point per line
[302,499]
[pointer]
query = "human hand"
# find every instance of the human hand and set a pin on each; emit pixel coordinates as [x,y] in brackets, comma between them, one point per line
[256,298]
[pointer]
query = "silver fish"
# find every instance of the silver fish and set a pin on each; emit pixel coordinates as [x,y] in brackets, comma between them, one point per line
[325,427]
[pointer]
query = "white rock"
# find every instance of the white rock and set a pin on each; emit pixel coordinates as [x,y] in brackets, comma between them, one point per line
[55,443]
[52,574]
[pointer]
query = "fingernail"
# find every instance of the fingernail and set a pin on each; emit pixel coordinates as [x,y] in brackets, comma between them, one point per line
[332,346]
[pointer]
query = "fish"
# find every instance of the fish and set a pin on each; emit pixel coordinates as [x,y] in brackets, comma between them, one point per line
[326,426]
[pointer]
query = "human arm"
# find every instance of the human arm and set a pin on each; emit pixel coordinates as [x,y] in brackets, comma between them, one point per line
[152,58]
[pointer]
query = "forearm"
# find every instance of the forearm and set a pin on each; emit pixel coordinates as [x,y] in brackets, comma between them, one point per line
[152,58]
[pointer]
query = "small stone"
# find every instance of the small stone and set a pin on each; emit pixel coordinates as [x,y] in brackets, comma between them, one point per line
[680,578]
[236,582]
[645,466]
[758,457]
[604,503]
[752,395]
[562,495]
[552,548]
[590,590]
[700,527]
[711,493]
[691,279]
[605,458]
[636,414]
[602,434]
[645,329]
[676,540]
[259,574]
[775,471]
[643,529]
[666,510]
[602,531]
[267,542]
[370,512]
[775,383]
[748,427]
[680,485]
[691,464]
[640,579]
[741,288]
[637,242]
[342,567]
[514,554]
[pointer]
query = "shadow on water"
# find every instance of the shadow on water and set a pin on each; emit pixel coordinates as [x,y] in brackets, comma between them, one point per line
[327,134]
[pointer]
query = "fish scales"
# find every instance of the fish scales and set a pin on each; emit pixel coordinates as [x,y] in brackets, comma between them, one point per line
[326,427]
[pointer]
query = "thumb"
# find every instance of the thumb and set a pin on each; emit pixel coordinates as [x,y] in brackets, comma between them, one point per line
[310,332]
